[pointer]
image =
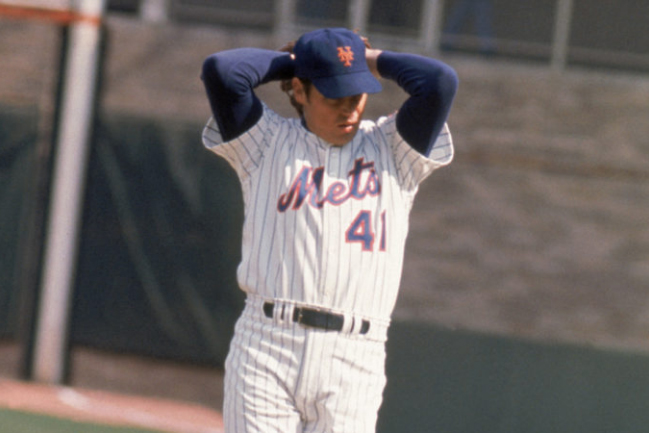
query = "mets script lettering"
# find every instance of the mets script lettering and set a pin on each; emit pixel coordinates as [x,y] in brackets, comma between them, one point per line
[307,187]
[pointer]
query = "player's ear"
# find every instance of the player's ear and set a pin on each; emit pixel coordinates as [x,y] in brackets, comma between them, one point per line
[299,92]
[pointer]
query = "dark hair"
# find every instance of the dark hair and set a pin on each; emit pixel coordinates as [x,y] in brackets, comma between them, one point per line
[287,87]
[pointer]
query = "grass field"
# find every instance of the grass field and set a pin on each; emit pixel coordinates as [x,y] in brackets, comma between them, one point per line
[23,422]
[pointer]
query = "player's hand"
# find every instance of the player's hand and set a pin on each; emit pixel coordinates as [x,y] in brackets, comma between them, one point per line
[371,55]
[288,48]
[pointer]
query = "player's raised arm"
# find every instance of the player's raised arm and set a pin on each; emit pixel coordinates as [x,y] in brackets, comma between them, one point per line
[230,77]
[432,86]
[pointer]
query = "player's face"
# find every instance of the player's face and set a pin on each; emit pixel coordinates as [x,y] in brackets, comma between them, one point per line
[334,120]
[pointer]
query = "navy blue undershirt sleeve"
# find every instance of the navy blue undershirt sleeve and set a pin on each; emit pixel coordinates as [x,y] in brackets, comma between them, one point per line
[432,86]
[229,78]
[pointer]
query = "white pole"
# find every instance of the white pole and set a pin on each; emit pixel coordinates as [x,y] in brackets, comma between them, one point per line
[561,40]
[67,193]
[431,25]
[154,11]
[284,20]
[359,12]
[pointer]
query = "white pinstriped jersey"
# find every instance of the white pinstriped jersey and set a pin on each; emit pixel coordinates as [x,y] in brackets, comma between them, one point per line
[326,226]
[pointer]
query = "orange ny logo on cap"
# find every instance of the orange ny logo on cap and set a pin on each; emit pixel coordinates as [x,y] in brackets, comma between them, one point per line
[346,55]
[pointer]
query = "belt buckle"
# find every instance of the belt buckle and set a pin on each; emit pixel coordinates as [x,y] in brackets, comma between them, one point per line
[298,319]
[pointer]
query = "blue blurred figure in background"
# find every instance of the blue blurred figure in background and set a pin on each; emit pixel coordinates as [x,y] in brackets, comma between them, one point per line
[481,11]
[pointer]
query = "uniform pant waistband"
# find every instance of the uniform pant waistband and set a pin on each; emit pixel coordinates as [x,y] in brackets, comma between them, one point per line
[315,318]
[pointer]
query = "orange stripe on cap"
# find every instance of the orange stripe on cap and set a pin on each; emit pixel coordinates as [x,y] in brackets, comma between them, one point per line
[51,15]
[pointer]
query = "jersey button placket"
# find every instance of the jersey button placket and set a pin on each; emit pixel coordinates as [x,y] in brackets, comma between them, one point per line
[319,295]
[331,225]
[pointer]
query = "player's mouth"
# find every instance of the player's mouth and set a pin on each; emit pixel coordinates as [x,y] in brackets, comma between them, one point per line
[347,127]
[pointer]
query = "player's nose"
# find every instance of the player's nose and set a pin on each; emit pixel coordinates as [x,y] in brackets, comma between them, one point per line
[349,115]
[350,104]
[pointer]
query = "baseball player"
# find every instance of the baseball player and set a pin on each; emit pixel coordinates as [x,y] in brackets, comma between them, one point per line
[327,197]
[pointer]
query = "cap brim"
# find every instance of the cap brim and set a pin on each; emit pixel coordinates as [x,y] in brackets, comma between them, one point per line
[341,86]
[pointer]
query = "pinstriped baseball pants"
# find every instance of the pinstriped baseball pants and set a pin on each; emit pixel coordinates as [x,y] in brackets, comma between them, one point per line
[281,377]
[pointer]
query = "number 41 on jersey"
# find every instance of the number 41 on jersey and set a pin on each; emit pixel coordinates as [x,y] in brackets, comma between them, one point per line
[360,230]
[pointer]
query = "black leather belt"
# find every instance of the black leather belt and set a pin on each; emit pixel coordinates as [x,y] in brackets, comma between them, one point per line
[316,318]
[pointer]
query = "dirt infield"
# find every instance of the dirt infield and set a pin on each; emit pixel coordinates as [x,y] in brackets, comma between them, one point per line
[109,408]
[120,390]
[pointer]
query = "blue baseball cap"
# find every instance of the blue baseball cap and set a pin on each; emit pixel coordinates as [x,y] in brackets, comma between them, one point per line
[334,61]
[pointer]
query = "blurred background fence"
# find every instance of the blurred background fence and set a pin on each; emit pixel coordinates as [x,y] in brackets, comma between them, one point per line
[561,32]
